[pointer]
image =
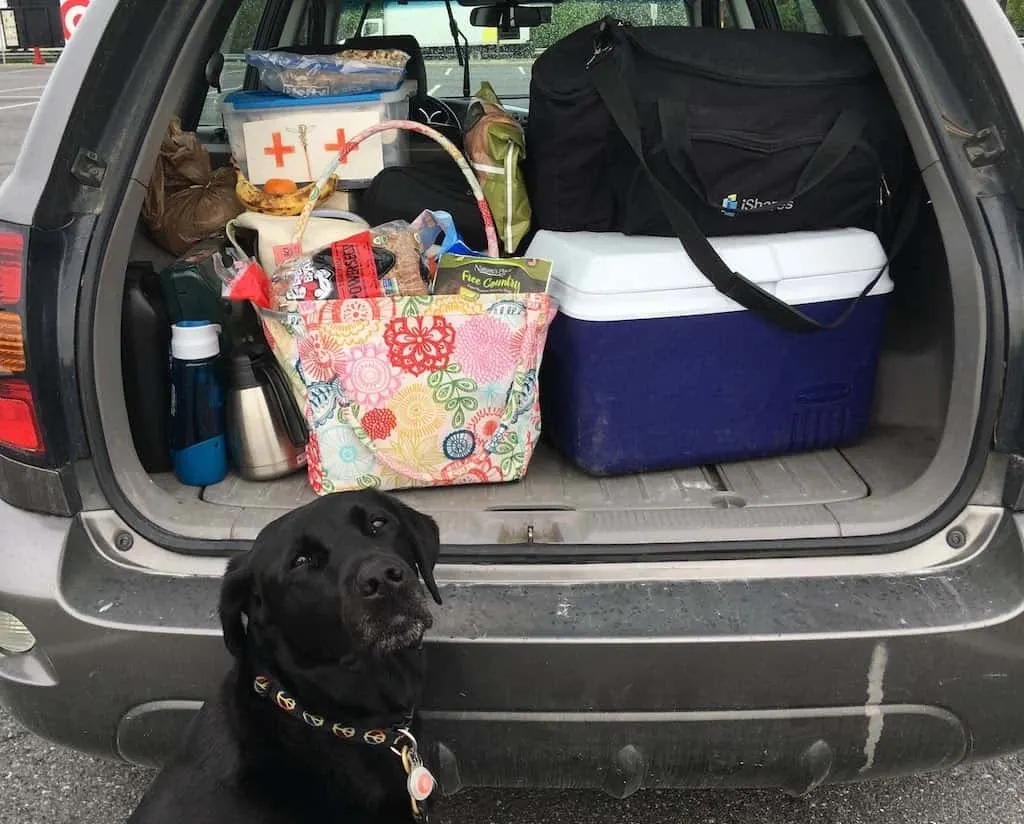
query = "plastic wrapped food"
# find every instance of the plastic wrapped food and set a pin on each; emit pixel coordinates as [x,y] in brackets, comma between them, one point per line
[353,71]
[406,276]
[381,262]
[347,268]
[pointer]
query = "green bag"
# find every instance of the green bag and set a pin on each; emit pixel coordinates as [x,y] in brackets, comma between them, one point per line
[495,145]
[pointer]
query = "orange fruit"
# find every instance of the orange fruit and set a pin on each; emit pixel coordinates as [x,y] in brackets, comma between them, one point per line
[280,186]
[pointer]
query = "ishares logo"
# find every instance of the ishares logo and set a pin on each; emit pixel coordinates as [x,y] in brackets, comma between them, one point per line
[732,204]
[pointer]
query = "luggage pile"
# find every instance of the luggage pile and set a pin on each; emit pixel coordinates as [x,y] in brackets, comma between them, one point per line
[711,213]
[786,150]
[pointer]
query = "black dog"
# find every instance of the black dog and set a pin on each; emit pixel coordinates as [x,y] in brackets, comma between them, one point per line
[325,617]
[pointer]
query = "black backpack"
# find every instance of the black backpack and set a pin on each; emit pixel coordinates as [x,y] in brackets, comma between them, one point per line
[690,132]
[402,192]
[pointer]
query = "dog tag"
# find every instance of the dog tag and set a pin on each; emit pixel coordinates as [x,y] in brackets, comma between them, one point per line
[420,783]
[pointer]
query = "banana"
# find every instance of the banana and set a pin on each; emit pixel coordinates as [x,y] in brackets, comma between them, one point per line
[256,200]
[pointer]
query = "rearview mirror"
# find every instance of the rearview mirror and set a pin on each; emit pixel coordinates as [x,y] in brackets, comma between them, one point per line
[509,18]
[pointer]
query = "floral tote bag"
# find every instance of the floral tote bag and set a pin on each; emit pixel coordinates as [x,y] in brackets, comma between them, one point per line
[415,391]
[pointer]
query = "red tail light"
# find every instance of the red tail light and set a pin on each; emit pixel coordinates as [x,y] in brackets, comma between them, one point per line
[19,422]
[18,425]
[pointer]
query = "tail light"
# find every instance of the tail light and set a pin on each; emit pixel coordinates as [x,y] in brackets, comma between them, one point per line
[18,425]
[20,432]
[34,472]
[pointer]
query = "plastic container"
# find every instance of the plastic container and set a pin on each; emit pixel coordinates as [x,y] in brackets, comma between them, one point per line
[145,349]
[649,367]
[273,135]
[198,443]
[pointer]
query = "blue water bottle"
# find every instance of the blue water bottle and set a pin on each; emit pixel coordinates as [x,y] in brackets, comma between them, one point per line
[198,443]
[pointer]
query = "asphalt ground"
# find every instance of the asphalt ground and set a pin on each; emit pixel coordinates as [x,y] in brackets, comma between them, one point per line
[20,90]
[41,783]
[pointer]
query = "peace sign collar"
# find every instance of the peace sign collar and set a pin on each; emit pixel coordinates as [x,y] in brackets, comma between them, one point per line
[266,686]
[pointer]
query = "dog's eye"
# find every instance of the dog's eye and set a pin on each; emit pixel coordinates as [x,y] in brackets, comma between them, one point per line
[313,560]
[377,523]
[309,553]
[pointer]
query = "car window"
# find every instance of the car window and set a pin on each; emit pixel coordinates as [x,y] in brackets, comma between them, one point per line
[800,15]
[504,61]
[240,36]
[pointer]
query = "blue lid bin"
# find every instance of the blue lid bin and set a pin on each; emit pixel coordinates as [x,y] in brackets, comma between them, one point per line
[276,136]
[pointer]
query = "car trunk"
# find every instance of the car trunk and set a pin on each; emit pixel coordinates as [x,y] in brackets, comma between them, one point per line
[819,494]
[907,464]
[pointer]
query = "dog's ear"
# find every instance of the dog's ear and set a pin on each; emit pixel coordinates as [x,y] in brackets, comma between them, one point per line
[235,594]
[426,542]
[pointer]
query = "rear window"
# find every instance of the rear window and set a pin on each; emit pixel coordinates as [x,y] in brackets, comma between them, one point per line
[506,60]
[240,36]
[503,60]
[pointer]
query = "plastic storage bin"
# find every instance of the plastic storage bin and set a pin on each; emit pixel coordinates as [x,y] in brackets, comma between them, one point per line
[273,135]
[649,367]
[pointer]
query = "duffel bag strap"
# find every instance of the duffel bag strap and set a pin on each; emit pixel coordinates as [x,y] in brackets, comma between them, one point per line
[833,150]
[617,99]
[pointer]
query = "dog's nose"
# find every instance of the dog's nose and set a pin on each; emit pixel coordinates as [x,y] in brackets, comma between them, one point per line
[377,577]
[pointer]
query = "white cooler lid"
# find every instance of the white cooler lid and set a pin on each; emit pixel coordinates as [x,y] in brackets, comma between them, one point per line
[608,276]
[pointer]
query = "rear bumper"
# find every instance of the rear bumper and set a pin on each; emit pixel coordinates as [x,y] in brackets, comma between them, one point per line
[788,681]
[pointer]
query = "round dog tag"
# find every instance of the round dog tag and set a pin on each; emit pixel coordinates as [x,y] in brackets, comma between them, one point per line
[420,783]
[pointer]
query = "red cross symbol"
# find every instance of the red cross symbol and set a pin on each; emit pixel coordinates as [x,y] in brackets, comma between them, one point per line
[337,147]
[278,150]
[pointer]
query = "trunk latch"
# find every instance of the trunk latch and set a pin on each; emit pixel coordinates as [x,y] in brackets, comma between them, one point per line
[983,147]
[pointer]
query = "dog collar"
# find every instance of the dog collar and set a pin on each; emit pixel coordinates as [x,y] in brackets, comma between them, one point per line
[266,687]
[399,739]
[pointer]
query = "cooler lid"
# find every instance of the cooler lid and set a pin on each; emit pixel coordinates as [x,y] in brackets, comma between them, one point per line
[609,276]
[264,99]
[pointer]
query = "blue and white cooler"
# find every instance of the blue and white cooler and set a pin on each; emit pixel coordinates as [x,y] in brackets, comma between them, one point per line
[649,367]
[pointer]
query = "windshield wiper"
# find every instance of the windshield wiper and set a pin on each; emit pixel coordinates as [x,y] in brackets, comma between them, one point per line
[461,52]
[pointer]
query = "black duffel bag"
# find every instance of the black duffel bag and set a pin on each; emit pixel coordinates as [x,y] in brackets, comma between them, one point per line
[690,132]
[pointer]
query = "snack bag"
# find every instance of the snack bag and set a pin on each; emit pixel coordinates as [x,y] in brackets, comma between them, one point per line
[347,268]
[385,261]
[461,275]
[352,71]
[407,274]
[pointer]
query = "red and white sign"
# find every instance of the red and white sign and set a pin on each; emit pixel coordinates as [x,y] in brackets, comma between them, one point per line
[71,12]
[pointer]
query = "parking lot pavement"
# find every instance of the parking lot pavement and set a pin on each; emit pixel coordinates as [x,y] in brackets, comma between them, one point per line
[20,90]
[508,77]
[40,782]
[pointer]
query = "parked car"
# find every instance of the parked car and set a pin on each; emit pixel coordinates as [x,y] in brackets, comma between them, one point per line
[828,616]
